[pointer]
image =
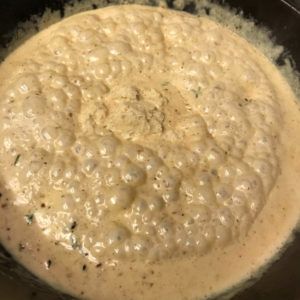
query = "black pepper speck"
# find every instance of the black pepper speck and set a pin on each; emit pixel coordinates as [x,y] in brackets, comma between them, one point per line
[73,225]
[21,247]
[48,263]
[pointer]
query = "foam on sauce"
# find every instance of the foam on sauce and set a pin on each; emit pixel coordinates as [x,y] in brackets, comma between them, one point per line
[152,157]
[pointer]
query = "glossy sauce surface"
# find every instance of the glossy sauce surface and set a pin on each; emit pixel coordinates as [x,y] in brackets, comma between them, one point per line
[147,149]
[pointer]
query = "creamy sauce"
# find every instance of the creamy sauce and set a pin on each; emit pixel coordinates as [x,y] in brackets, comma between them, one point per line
[143,153]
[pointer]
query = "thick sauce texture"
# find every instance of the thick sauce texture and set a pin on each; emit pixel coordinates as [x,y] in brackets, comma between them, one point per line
[145,154]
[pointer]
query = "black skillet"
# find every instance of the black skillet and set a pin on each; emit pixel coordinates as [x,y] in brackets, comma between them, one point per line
[282,17]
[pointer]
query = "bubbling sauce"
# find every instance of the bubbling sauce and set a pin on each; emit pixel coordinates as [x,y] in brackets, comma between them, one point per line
[142,151]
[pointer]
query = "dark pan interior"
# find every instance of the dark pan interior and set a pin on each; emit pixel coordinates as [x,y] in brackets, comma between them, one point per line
[282,17]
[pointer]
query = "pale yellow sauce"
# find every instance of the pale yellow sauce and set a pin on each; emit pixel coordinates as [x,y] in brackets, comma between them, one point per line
[145,154]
